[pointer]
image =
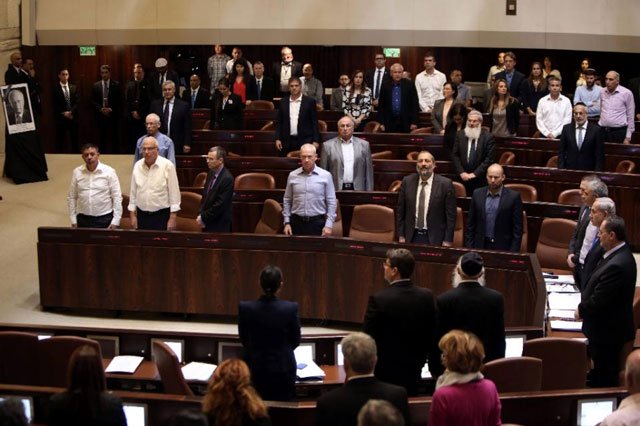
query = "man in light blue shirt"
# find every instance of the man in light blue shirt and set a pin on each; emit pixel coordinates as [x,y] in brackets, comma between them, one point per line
[165,144]
[589,94]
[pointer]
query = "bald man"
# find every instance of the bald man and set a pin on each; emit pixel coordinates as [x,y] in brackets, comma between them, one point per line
[616,111]
[628,413]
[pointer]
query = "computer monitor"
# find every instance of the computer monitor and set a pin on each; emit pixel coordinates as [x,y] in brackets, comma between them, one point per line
[513,345]
[593,411]
[177,346]
[305,351]
[229,350]
[27,404]
[136,414]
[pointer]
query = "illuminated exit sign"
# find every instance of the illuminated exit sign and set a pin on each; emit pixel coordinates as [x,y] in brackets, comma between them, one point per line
[87,51]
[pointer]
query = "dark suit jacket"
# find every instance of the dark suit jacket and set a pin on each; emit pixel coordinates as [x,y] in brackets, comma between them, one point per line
[202,98]
[409,106]
[591,154]
[402,320]
[307,123]
[155,89]
[296,71]
[341,406]
[370,78]
[508,225]
[26,116]
[230,117]
[114,99]
[267,90]
[180,122]
[63,413]
[139,101]
[485,154]
[518,86]
[607,301]
[441,211]
[215,208]
[480,310]
[269,330]
[59,104]
[11,76]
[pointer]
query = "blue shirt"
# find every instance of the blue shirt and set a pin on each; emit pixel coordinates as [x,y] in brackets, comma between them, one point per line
[310,194]
[590,97]
[165,148]
[395,100]
[491,205]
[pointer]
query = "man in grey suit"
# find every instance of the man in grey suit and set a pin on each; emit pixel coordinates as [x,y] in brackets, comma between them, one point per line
[348,159]
[426,213]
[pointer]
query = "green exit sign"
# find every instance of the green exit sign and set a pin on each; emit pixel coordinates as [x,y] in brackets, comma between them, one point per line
[87,51]
[391,52]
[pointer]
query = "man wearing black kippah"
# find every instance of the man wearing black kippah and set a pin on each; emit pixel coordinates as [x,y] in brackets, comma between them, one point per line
[470,306]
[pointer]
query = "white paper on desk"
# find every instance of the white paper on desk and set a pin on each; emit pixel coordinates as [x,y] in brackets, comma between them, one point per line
[124,364]
[566,301]
[198,371]
[568,279]
[562,313]
[310,371]
[554,287]
[566,325]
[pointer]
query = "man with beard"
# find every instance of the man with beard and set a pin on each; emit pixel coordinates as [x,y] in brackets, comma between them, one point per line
[589,94]
[473,152]
[426,211]
[472,307]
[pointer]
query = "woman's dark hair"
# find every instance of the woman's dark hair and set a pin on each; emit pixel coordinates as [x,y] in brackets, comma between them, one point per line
[86,382]
[454,87]
[234,71]
[364,83]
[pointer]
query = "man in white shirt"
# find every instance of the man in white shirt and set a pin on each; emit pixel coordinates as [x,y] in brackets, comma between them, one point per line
[154,198]
[554,111]
[95,199]
[236,54]
[429,84]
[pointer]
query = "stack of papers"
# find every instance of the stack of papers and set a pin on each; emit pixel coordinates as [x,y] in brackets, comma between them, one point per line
[126,364]
[198,371]
[307,368]
[566,325]
[564,301]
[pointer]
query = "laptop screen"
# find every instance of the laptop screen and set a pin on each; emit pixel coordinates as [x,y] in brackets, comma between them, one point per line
[136,414]
[514,345]
[593,411]
[27,404]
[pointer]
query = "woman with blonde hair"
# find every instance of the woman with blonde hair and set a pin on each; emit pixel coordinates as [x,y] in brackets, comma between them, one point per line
[463,396]
[230,398]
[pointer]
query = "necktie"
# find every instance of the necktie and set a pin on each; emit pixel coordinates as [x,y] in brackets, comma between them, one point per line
[376,92]
[211,182]
[421,206]
[18,119]
[472,154]
[596,241]
[67,98]
[259,84]
[137,91]
[193,99]
[165,117]
[580,137]
[105,94]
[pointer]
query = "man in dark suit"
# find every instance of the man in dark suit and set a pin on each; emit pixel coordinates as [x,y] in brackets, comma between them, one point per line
[215,208]
[341,406]
[495,215]
[601,209]
[291,139]
[402,320]
[581,144]
[227,109]
[591,187]
[107,101]
[470,306]
[138,103]
[515,79]
[377,77]
[473,153]
[18,108]
[607,304]
[434,220]
[175,116]
[282,71]
[269,330]
[65,112]
[196,96]
[159,77]
[265,88]
[15,74]
[398,116]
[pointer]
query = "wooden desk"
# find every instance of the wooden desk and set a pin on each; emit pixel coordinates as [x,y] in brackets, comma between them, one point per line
[198,273]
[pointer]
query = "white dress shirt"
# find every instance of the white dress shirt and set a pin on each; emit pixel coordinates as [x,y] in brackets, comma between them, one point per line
[294,113]
[348,160]
[553,114]
[154,188]
[429,87]
[95,193]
